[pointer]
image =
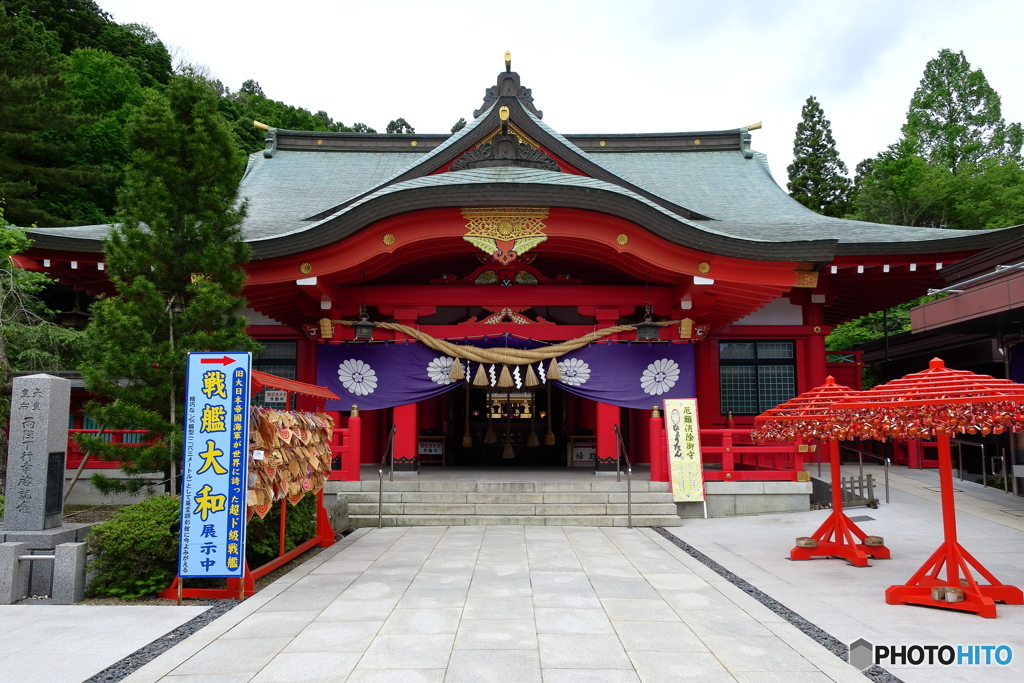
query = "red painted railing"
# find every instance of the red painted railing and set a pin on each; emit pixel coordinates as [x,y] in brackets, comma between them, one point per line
[117,436]
[731,455]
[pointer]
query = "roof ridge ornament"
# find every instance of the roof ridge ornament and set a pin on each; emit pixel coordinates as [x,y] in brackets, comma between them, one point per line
[508,86]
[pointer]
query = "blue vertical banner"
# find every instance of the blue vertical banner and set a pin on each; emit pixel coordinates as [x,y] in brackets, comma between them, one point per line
[215,466]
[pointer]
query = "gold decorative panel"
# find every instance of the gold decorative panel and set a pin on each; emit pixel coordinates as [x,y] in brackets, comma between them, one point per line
[505,233]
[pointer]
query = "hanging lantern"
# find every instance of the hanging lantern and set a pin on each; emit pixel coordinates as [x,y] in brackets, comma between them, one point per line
[647,330]
[364,328]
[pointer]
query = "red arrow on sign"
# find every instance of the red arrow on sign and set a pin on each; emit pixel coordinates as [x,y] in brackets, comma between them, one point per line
[223,361]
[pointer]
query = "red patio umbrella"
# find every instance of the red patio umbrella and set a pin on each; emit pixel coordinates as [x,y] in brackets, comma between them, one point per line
[940,402]
[809,416]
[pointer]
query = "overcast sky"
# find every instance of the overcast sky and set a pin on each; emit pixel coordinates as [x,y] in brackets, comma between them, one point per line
[598,66]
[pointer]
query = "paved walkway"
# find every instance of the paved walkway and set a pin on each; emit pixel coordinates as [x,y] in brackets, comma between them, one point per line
[849,602]
[70,643]
[500,603]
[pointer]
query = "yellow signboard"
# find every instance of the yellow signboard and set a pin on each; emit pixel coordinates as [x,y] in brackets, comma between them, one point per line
[684,459]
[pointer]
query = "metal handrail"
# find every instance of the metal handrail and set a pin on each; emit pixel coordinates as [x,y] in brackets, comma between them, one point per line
[860,454]
[622,453]
[389,449]
[960,455]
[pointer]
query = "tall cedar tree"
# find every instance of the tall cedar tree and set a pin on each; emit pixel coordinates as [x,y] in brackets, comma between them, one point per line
[176,261]
[817,176]
[41,181]
[957,164]
[955,118]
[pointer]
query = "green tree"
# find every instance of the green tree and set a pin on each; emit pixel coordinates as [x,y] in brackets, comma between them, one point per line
[955,118]
[28,338]
[459,125]
[176,260]
[400,127]
[817,176]
[82,24]
[957,164]
[41,181]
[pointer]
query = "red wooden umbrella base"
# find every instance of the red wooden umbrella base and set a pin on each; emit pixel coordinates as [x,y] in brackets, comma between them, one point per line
[838,536]
[847,544]
[978,598]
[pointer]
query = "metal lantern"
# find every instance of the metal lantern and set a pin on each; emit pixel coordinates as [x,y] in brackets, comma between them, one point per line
[364,328]
[647,330]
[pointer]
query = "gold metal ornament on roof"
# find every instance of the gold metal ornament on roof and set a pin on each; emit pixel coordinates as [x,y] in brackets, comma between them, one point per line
[704,267]
[319,142]
[388,239]
[505,233]
[622,238]
[413,143]
[306,268]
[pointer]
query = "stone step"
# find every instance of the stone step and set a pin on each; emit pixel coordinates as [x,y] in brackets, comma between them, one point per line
[524,520]
[397,508]
[413,484]
[504,498]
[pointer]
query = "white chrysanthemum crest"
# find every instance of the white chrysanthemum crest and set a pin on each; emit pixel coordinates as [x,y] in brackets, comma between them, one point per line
[659,377]
[439,370]
[574,371]
[357,377]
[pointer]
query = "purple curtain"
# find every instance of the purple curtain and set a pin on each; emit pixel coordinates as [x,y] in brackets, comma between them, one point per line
[388,374]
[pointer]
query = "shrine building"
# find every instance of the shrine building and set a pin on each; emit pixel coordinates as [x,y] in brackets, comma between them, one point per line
[511,238]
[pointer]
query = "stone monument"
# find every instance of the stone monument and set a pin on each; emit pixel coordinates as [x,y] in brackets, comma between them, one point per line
[34,499]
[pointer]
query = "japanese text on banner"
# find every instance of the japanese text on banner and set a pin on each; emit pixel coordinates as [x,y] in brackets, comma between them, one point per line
[684,455]
[215,465]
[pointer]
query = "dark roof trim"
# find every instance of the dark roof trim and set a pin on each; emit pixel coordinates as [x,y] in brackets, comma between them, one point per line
[41,240]
[955,243]
[1009,250]
[316,141]
[528,194]
[710,141]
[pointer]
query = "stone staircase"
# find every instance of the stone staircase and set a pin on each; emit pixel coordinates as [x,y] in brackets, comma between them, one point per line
[408,502]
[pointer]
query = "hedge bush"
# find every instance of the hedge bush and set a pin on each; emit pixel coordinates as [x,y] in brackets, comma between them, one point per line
[135,554]
[261,535]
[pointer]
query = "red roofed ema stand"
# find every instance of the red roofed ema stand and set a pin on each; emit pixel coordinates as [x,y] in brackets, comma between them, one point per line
[939,402]
[324,537]
[807,417]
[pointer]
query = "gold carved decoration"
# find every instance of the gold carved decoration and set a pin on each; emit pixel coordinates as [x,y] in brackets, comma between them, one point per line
[388,239]
[319,142]
[696,142]
[704,267]
[413,143]
[805,279]
[305,269]
[515,130]
[602,143]
[505,233]
[817,329]
[622,238]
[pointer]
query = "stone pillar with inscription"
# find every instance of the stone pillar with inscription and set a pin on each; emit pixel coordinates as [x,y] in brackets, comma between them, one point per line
[36,455]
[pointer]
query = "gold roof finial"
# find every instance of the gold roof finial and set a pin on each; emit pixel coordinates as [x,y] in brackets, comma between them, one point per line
[508,61]
[503,113]
[754,126]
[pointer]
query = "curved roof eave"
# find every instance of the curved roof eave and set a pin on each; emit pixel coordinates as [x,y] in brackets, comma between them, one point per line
[516,186]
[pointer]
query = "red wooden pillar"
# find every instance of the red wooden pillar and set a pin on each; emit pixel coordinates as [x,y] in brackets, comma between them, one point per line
[607,418]
[405,436]
[814,348]
[350,458]
[914,454]
[659,464]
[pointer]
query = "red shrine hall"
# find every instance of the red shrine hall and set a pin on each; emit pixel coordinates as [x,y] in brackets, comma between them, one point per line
[583,278]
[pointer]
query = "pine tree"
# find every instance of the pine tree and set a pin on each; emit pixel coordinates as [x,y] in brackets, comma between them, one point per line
[817,176]
[955,118]
[176,261]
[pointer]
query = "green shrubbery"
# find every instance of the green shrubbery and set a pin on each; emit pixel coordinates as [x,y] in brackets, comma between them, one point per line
[261,535]
[136,552]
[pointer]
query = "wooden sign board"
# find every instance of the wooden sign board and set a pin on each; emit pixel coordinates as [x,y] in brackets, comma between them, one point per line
[685,465]
[430,448]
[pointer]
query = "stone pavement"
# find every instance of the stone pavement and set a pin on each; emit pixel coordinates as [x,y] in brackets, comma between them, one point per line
[849,602]
[70,643]
[499,603]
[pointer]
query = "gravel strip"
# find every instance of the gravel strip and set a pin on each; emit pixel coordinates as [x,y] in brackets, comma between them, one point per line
[146,654]
[826,640]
